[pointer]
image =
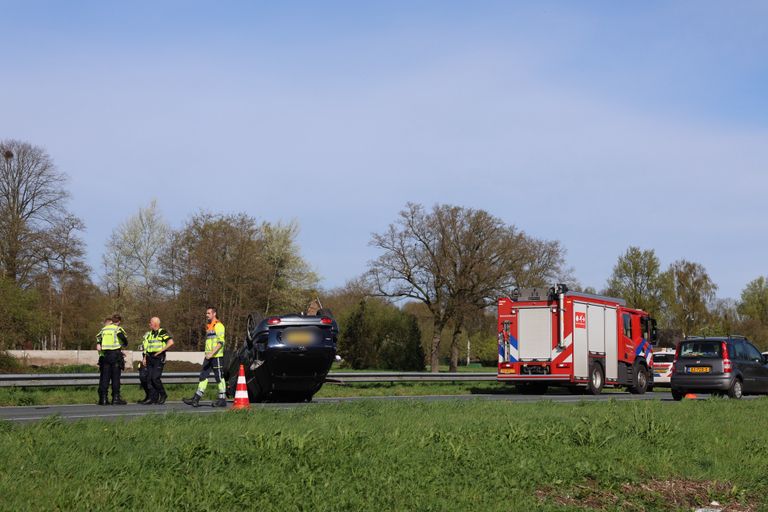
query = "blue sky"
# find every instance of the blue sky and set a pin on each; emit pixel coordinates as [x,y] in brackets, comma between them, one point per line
[601,124]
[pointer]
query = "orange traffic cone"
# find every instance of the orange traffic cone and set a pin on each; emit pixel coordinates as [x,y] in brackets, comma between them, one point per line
[689,396]
[241,393]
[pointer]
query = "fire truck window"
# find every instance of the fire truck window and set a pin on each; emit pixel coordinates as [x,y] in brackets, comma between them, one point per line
[627,325]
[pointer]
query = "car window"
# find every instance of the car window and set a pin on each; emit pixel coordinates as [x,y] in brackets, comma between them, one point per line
[751,352]
[663,358]
[739,354]
[691,349]
[627,325]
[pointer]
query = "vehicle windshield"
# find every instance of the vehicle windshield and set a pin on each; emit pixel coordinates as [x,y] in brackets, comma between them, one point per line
[663,358]
[689,349]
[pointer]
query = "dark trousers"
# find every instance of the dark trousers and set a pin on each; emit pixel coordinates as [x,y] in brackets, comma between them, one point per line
[212,365]
[144,381]
[111,366]
[155,373]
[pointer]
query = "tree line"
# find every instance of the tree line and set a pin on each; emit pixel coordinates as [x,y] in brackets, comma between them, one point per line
[427,298]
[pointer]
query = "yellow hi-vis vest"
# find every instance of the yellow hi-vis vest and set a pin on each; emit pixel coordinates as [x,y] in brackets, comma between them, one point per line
[108,337]
[214,333]
[155,341]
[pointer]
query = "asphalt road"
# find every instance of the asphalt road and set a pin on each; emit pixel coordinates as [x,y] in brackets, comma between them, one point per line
[80,412]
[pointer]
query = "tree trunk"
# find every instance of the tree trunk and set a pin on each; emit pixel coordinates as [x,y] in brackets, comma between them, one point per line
[434,357]
[455,349]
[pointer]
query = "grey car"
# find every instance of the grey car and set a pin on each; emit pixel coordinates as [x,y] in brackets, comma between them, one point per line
[728,365]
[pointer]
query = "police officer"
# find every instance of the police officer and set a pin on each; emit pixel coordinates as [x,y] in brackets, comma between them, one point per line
[111,341]
[214,351]
[156,342]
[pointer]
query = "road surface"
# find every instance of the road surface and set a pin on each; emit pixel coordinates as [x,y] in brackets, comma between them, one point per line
[79,412]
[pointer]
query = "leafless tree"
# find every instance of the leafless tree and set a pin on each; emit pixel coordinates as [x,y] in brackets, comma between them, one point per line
[456,261]
[32,198]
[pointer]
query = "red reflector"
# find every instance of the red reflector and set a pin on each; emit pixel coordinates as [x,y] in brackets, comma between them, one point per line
[274,320]
[325,320]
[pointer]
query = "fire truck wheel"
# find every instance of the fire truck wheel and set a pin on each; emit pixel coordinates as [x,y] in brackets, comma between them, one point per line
[596,378]
[639,380]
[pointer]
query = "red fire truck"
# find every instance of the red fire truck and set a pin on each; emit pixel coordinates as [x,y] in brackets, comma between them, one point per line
[582,341]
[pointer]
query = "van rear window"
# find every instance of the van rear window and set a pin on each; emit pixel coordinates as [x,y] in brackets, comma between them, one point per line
[690,349]
[663,358]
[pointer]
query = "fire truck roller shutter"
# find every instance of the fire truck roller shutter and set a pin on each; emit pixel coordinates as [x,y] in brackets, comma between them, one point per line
[611,344]
[534,333]
[580,349]
[596,328]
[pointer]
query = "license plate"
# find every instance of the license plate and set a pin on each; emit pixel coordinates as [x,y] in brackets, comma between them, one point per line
[507,370]
[699,369]
[298,338]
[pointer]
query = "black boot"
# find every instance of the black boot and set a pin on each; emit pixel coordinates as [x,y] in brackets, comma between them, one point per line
[147,401]
[144,400]
[221,402]
[103,400]
[162,399]
[194,401]
[116,400]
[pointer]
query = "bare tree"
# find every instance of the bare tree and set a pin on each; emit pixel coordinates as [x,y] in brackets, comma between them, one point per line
[32,198]
[132,257]
[62,261]
[456,261]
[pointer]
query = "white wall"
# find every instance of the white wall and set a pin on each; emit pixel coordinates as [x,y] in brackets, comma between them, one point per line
[62,357]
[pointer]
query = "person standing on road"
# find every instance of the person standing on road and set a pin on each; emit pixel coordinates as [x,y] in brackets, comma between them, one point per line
[111,341]
[214,351]
[156,341]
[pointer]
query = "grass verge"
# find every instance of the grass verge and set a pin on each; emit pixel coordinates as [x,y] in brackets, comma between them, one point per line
[370,455]
[16,396]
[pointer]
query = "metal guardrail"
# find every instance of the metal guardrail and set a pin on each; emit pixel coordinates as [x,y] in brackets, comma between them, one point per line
[92,379]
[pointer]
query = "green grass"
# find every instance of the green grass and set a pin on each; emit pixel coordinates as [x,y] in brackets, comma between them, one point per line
[15,396]
[393,456]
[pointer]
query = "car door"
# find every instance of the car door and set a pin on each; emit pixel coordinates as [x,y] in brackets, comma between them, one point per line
[743,365]
[760,370]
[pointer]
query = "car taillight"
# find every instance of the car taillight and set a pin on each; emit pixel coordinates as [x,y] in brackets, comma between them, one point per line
[326,321]
[674,361]
[274,320]
[727,366]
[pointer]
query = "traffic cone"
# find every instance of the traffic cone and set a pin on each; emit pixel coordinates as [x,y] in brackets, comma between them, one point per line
[691,396]
[241,392]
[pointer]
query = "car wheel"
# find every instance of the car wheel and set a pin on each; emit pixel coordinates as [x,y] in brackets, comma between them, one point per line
[678,394]
[596,378]
[736,390]
[639,380]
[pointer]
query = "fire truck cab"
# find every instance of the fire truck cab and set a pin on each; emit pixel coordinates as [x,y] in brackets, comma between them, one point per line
[578,340]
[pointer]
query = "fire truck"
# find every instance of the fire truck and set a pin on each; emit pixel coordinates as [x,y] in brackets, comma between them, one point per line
[554,336]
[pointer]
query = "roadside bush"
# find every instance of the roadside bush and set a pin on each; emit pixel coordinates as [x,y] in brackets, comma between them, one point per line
[379,335]
[9,364]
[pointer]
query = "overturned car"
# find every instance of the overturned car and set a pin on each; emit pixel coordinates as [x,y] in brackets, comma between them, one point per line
[286,358]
